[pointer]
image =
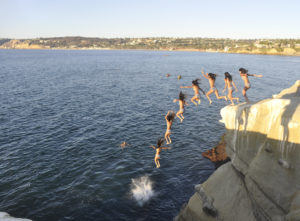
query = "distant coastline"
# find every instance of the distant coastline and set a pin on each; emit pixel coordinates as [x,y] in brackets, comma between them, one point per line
[287,47]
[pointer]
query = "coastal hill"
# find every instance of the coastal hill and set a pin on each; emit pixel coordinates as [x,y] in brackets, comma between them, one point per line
[224,45]
[262,180]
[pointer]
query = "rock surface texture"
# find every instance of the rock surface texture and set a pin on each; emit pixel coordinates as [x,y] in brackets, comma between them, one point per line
[262,180]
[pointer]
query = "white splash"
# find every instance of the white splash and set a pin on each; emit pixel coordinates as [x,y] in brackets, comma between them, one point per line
[141,189]
[6,217]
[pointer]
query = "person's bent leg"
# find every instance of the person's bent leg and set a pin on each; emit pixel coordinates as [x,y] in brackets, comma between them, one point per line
[207,95]
[220,97]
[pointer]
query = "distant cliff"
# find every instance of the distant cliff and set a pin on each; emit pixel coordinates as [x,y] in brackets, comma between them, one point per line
[262,180]
[254,46]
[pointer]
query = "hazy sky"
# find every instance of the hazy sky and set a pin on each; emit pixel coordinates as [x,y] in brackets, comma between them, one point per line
[150,18]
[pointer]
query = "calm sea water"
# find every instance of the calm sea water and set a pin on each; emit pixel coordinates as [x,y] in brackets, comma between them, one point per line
[64,114]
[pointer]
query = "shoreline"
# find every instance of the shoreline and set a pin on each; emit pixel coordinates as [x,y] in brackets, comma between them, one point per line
[167,50]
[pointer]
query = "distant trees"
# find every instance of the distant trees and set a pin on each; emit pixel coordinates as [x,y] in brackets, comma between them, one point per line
[220,44]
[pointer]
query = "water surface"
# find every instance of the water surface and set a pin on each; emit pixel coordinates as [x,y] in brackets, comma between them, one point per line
[64,114]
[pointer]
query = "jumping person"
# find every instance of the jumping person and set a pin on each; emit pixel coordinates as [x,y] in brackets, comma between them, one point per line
[158,149]
[230,84]
[182,102]
[244,75]
[212,78]
[169,119]
[195,86]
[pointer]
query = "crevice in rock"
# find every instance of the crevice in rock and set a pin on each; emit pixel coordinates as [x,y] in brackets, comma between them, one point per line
[207,206]
[258,212]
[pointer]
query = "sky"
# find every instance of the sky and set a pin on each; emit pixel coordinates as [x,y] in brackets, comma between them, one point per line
[239,19]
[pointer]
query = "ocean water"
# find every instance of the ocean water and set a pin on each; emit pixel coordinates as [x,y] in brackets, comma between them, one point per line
[64,114]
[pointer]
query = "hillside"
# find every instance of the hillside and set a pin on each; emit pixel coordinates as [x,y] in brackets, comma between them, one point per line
[253,46]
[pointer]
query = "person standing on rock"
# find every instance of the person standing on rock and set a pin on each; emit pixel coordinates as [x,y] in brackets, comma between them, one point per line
[244,75]
[212,78]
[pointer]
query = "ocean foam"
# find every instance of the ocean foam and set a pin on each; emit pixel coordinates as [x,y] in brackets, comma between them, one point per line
[141,189]
[6,217]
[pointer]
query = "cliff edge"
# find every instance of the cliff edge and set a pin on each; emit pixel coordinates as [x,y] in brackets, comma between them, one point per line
[262,180]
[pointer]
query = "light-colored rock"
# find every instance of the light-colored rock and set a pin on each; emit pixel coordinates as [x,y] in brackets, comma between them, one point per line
[294,214]
[289,51]
[262,181]
[225,192]
[6,217]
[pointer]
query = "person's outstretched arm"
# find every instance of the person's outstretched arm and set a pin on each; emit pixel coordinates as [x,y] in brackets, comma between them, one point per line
[167,115]
[186,86]
[256,75]
[204,75]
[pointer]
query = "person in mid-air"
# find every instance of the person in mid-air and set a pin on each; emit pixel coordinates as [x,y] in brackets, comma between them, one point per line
[244,75]
[195,86]
[230,84]
[212,78]
[182,103]
[158,149]
[169,119]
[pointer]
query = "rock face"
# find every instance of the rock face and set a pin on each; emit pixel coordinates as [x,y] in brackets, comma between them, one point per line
[262,181]
[218,153]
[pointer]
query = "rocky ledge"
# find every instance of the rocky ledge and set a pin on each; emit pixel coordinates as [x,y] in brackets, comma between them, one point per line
[262,180]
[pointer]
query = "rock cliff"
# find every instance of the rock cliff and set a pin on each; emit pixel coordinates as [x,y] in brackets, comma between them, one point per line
[262,180]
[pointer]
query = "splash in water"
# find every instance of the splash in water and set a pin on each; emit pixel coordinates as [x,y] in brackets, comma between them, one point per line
[141,189]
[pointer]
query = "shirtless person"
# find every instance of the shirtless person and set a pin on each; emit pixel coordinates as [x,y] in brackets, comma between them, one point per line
[195,86]
[244,75]
[182,102]
[169,119]
[230,84]
[124,144]
[158,149]
[212,78]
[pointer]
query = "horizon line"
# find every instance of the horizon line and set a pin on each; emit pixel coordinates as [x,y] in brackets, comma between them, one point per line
[77,36]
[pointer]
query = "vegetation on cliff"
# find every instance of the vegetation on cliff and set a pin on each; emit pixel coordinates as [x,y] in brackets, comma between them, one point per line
[256,46]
